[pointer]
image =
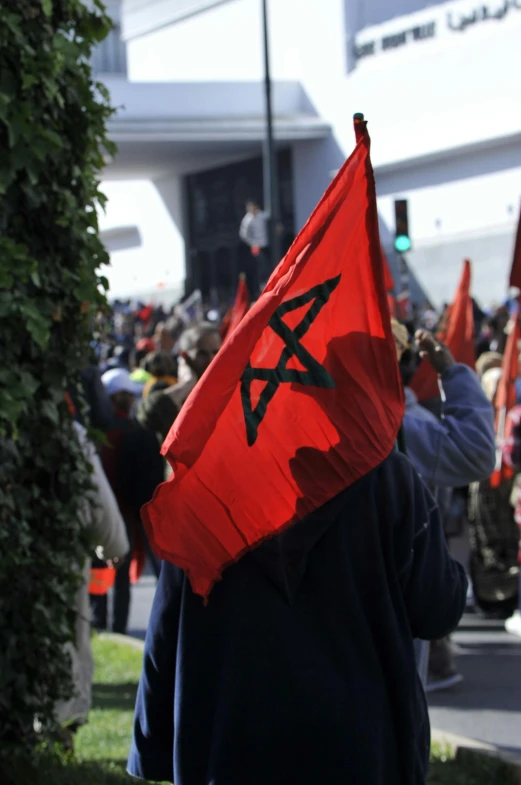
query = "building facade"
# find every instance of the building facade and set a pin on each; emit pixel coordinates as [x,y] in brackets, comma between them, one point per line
[438,83]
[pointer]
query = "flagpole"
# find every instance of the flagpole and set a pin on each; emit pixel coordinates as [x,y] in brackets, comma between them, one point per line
[271,186]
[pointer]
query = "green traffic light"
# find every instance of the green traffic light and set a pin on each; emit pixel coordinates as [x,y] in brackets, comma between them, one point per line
[402,243]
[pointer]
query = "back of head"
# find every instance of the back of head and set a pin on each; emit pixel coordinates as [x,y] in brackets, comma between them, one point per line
[407,358]
[159,364]
[157,412]
[490,381]
[191,337]
[486,361]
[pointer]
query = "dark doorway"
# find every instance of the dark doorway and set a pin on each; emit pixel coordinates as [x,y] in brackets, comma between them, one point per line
[216,202]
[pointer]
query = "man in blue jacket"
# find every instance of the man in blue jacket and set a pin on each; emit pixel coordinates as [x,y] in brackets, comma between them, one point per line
[448,452]
[301,669]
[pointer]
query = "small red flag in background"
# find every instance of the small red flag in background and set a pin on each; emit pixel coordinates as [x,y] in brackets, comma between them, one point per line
[515,272]
[238,310]
[302,400]
[506,398]
[389,284]
[388,276]
[457,334]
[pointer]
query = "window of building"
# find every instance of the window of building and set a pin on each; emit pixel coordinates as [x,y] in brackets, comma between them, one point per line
[110,57]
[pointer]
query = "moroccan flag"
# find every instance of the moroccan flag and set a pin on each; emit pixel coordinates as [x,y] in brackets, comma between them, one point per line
[515,272]
[238,310]
[506,398]
[457,333]
[302,400]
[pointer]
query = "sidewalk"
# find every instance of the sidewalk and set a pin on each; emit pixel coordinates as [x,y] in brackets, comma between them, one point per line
[487,705]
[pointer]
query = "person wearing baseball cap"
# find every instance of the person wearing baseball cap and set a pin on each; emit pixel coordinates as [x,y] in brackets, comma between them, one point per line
[121,389]
[134,467]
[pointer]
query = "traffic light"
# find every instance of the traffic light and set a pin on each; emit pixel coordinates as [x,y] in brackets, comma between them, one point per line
[402,241]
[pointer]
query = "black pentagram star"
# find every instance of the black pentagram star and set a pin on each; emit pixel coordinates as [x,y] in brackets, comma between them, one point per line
[315,374]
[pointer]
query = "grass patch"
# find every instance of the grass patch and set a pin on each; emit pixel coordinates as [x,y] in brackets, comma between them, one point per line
[106,737]
[102,745]
[481,771]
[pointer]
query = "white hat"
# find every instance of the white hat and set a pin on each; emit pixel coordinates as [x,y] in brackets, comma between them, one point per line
[118,380]
[490,381]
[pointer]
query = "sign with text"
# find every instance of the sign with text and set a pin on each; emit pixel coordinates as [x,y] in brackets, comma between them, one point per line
[458,19]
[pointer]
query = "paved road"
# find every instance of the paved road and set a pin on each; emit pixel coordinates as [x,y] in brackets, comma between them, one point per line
[487,706]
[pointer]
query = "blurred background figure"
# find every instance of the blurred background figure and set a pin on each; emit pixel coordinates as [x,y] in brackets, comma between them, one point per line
[161,366]
[254,232]
[198,345]
[493,531]
[100,512]
[448,452]
[133,467]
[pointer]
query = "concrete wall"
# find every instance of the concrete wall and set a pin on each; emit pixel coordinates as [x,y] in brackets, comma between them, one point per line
[444,113]
[452,90]
[374,12]
[159,261]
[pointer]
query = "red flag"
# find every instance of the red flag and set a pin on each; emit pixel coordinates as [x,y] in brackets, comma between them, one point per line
[388,276]
[403,306]
[515,272]
[458,334]
[302,400]
[391,304]
[506,398]
[389,284]
[239,309]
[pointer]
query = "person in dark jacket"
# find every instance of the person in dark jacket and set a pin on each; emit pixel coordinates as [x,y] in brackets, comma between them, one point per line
[134,467]
[301,669]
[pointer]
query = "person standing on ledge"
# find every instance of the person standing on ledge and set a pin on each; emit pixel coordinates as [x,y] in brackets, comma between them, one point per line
[254,232]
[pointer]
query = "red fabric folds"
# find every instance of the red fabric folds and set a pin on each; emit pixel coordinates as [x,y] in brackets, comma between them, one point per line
[457,333]
[302,400]
[506,398]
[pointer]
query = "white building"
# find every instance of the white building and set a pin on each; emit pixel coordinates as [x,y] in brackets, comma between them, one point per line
[438,82]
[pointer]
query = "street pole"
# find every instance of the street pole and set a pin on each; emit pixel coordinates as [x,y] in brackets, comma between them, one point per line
[271,184]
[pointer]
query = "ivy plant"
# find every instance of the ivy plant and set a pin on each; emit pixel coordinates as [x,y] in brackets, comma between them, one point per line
[53,141]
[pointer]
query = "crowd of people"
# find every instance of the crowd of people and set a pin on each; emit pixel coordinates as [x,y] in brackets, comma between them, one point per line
[148,362]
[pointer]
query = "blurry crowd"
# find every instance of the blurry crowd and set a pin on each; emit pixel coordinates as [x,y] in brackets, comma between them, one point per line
[149,359]
[148,363]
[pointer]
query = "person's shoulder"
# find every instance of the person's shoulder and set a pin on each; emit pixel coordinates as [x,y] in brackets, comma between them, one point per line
[396,467]
[389,480]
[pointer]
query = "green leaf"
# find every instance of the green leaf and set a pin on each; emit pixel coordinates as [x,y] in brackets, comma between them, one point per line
[6,278]
[37,324]
[53,129]
[52,137]
[28,80]
[4,107]
[50,410]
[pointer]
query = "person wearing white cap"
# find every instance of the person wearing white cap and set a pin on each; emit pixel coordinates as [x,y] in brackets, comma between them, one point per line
[134,467]
[117,382]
